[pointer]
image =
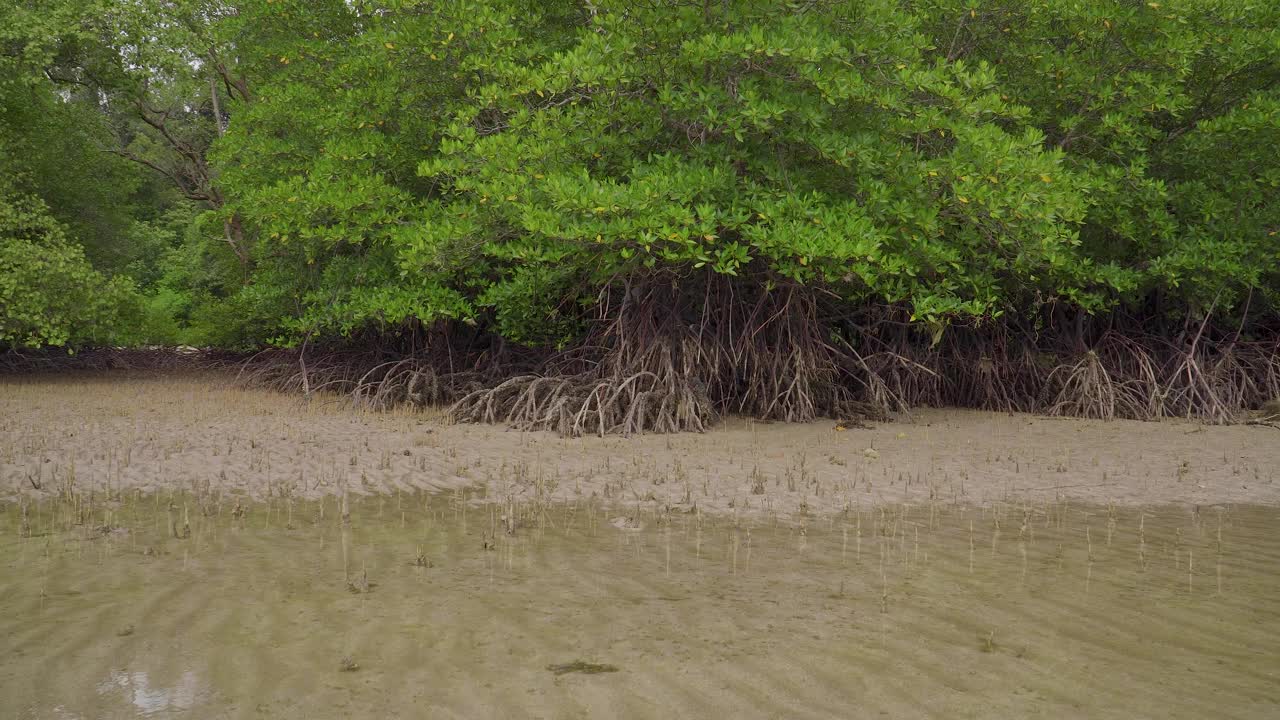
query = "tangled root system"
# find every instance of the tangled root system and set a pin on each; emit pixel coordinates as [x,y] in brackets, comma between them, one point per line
[660,358]
[990,371]
[666,362]
[1117,378]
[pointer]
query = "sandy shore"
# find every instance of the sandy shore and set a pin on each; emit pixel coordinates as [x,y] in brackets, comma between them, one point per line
[120,431]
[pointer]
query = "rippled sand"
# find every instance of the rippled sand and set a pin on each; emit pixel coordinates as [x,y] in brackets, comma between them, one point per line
[174,547]
[432,606]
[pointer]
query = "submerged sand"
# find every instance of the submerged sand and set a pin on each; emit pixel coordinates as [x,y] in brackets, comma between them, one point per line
[182,548]
[199,432]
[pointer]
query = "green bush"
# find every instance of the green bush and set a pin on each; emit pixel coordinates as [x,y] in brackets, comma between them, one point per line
[663,184]
[49,294]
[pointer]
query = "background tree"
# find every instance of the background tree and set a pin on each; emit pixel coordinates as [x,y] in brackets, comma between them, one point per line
[620,215]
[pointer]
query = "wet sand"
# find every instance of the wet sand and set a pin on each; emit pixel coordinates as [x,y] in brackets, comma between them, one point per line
[174,547]
[188,431]
[430,606]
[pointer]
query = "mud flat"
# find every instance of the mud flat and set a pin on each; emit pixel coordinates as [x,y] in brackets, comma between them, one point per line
[166,432]
[174,547]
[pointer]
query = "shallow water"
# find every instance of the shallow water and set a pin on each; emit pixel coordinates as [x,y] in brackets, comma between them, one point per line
[426,605]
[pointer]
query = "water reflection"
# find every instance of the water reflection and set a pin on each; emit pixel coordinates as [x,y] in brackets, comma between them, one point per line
[149,700]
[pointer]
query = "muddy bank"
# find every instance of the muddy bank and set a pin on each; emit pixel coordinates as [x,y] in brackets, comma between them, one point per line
[195,431]
[171,546]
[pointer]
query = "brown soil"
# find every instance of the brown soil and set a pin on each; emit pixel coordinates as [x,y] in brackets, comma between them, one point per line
[195,431]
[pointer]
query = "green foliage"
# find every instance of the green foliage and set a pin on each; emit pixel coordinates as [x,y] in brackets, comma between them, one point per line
[819,147]
[49,294]
[269,171]
[1167,115]
[82,226]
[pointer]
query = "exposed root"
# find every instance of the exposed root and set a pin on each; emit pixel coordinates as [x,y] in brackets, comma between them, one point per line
[661,357]
[985,373]
[378,380]
[906,383]
[583,404]
[661,360]
[668,363]
[1087,390]
[412,382]
[286,371]
[1192,391]
[1115,379]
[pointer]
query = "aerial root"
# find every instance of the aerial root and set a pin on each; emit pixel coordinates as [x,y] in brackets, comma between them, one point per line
[576,405]
[1117,378]
[665,362]
[657,366]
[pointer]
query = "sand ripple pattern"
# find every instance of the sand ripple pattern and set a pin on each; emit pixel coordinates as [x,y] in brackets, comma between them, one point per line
[1054,609]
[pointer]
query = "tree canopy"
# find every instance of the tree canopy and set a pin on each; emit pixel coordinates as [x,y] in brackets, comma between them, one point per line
[279,172]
